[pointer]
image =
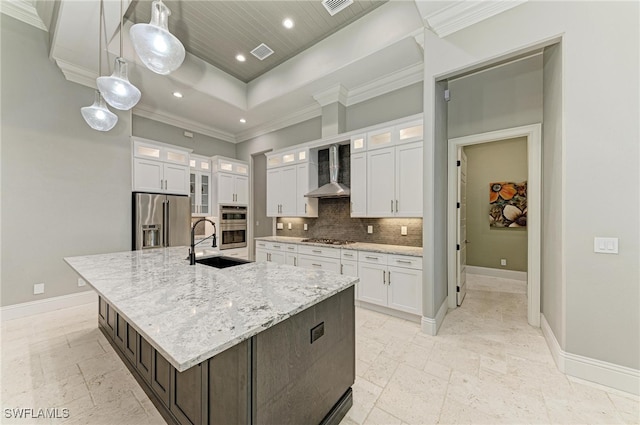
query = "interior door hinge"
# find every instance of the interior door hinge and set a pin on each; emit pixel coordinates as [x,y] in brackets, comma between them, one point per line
[458,163]
[457,289]
[447,95]
[457,204]
[457,247]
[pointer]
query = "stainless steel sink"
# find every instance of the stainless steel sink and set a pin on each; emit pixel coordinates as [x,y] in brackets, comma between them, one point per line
[221,262]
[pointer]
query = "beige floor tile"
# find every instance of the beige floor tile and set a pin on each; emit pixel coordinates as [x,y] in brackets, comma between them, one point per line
[365,394]
[380,371]
[380,417]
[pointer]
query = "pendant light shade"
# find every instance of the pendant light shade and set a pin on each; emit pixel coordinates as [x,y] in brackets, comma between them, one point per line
[158,49]
[98,116]
[117,90]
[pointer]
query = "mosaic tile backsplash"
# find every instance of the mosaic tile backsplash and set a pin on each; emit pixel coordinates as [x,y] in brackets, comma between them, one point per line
[334,221]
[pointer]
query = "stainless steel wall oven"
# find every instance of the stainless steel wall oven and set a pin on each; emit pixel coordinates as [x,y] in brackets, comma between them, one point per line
[233,227]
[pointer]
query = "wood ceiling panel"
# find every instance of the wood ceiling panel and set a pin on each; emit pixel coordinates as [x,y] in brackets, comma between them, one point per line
[215,31]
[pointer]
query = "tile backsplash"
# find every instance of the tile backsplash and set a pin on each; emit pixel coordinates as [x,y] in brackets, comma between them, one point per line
[334,221]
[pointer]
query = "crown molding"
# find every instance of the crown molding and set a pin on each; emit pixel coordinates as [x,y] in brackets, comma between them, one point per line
[24,11]
[312,111]
[77,74]
[397,80]
[332,95]
[146,112]
[462,14]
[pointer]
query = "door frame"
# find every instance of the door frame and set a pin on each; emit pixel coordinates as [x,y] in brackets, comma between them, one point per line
[533,133]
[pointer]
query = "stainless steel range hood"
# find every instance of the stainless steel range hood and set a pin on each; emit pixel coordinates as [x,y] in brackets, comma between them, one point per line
[333,189]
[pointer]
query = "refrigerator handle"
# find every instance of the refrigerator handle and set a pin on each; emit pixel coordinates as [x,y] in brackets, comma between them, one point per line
[165,205]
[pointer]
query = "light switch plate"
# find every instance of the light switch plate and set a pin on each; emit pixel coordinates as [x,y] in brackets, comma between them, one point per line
[81,282]
[38,288]
[369,229]
[403,230]
[305,226]
[605,245]
[289,226]
[279,226]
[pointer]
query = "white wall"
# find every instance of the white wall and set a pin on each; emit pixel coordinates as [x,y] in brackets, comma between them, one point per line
[66,189]
[601,147]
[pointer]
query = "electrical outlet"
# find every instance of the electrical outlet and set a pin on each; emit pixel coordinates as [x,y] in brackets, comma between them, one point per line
[305,226]
[289,226]
[503,261]
[370,229]
[279,226]
[38,288]
[81,282]
[403,230]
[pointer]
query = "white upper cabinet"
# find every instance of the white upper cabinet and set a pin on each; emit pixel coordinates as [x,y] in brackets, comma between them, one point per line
[230,181]
[290,175]
[158,167]
[386,172]
[200,186]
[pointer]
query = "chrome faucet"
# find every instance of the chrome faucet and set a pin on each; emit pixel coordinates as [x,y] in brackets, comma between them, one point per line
[192,250]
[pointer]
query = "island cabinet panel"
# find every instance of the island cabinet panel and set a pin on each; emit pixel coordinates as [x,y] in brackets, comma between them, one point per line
[143,359]
[102,312]
[130,346]
[306,363]
[112,316]
[186,395]
[229,386]
[160,377]
[119,331]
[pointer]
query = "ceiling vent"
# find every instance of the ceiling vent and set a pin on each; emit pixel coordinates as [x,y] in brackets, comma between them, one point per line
[335,6]
[262,51]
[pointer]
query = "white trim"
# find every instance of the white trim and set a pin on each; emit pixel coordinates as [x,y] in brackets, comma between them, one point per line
[337,93]
[389,311]
[77,74]
[461,14]
[554,346]
[395,81]
[597,371]
[312,111]
[533,133]
[504,274]
[24,11]
[17,311]
[180,122]
[431,326]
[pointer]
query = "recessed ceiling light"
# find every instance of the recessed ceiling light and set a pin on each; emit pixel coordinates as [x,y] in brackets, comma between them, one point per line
[177,94]
[242,120]
[287,23]
[240,58]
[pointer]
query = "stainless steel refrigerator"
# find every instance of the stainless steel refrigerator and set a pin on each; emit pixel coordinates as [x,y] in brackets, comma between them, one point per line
[161,220]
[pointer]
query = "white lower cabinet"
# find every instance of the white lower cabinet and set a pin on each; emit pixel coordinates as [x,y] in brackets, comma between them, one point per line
[349,268]
[271,251]
[291,254]
[236,253]
[319,263]
[393,281]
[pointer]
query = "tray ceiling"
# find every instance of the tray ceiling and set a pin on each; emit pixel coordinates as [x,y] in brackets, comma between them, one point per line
[216,31]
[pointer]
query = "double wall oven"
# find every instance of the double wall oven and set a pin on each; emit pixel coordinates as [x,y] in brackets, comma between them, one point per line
[233,227]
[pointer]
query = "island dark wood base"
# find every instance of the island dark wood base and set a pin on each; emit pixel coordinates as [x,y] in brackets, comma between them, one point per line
[299,371]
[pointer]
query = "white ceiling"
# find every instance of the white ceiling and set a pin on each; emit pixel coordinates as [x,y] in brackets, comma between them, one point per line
[374,54]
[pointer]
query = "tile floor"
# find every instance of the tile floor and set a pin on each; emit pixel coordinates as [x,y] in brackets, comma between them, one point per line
[485,366]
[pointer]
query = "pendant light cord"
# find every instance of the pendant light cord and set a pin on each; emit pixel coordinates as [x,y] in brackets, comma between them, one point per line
[100,39]
[121,22]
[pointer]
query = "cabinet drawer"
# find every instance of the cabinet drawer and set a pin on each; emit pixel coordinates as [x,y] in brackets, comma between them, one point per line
[349,254]
[372,257]
[288,247]
[319,251]
[405,261]
[319,263]
[276,246]
[261,244]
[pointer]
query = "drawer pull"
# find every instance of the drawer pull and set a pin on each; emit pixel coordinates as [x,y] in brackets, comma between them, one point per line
[316,250]
[372,258]
[290,247]
[405,261]
[348,255]
[316,265]
[276,246]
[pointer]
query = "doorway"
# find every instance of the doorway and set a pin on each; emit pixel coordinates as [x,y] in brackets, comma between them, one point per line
[532,133]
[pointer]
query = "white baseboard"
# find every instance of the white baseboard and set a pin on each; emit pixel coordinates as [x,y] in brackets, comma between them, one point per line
[603,373]
[390,311]
[504,274]
[17,311]
[430,326]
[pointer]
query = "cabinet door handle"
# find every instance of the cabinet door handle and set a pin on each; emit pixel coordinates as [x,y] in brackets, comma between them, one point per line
[305,207]
[396,205]
[392,205]
[389,277]
[341,269]
[384,278]
[268,256]
[295,262]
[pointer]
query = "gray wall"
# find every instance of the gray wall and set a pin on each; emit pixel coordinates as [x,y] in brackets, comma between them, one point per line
[262,225]
[552,256]
[505,160]
[166,133]
[502,97]
[66,189]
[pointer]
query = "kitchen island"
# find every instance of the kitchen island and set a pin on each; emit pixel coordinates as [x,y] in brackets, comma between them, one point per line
[256,343]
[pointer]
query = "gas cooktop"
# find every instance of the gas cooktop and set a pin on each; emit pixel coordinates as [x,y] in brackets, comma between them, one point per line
[328,241]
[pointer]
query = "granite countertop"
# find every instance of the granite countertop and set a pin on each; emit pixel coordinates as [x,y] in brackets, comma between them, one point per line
[414,251]
[191,313]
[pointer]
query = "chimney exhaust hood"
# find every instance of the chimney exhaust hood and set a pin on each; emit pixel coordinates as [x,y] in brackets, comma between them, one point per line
[333,189]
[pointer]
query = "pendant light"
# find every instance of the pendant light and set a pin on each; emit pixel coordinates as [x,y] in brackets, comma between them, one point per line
[98,116]
[116,89]
[158,49]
